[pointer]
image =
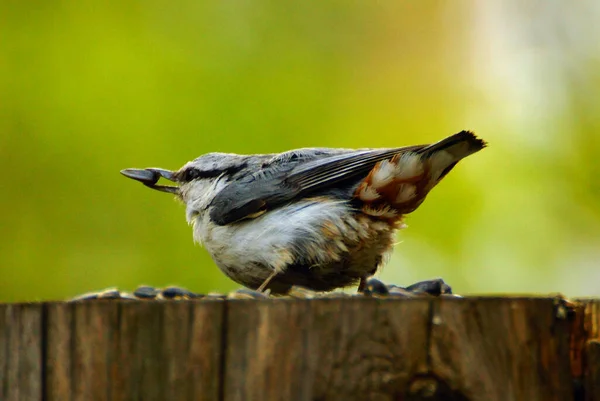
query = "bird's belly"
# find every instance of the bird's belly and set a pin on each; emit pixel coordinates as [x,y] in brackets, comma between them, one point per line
[317,243]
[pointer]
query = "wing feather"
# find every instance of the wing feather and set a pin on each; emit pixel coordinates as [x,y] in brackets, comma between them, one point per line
[247,197]
[289,178]
[324,172]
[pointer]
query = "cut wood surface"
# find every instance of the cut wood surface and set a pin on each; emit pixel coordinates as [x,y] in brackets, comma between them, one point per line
[347,348]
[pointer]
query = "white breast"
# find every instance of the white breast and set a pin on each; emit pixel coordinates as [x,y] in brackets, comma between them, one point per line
[269,239]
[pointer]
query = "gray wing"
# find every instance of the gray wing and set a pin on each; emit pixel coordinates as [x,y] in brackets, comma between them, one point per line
[254,194]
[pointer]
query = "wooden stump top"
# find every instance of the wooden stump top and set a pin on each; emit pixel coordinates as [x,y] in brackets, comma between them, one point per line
[350,348]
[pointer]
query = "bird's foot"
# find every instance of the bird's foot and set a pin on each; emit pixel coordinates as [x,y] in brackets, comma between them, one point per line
[435,287]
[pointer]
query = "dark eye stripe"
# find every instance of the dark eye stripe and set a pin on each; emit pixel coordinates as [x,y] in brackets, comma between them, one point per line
[194,174]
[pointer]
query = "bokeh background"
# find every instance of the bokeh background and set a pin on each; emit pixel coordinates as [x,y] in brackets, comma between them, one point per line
[88,88]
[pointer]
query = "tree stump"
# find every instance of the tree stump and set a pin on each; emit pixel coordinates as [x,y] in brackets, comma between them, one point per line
[347,348]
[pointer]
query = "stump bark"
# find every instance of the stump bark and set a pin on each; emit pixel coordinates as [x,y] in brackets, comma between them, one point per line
[347,348]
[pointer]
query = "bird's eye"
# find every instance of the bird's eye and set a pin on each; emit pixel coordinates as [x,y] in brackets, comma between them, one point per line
[191,174]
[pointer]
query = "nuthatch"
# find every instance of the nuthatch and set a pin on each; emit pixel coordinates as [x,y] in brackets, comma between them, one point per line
[320,218]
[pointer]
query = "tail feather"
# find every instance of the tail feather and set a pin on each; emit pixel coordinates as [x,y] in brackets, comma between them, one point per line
[444,155]
[459,145]
[397,186]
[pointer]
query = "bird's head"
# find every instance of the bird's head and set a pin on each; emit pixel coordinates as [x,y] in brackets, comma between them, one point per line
[197,182]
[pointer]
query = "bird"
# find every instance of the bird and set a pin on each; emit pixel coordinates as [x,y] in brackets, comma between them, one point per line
[317,218]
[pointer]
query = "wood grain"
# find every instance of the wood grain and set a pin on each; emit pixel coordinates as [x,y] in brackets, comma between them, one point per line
[501,349]
[350,348]
[21,352]
[592,350]
[327,349]
[134,351]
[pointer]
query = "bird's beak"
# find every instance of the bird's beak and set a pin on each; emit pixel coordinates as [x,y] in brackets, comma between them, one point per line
[150,176]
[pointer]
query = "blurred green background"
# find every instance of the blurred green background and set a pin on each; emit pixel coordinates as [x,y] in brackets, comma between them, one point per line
[88,88]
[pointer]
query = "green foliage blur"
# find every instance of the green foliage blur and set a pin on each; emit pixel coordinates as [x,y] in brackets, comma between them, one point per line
[90,88]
